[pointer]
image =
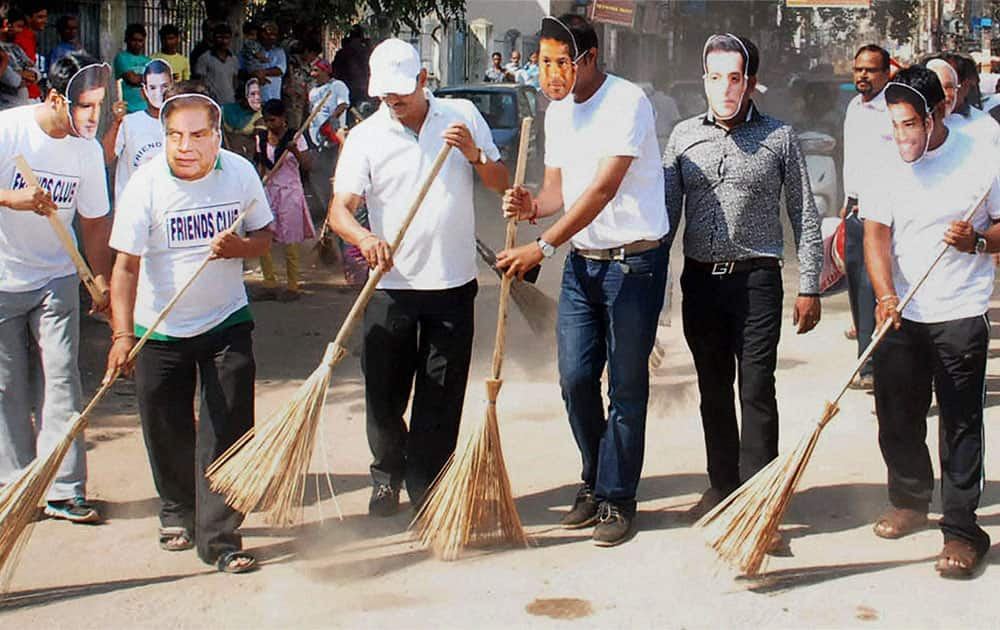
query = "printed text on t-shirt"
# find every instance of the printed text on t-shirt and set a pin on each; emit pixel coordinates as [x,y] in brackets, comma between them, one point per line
[63,188]
[197,227]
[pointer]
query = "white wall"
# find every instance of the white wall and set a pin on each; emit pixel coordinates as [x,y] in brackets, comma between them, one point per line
[524,16]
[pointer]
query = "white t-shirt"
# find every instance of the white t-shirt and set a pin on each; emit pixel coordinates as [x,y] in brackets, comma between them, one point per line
[977,124]
[139,139]
[919,202]
[340,95]
[867,142]
[170,223]
[386,163]
[617,120]
[72,170]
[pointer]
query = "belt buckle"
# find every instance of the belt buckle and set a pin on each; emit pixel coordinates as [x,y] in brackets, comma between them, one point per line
[617,253]
[723,268]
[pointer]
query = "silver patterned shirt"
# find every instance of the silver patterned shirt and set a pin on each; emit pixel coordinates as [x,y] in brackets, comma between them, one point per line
[730,185]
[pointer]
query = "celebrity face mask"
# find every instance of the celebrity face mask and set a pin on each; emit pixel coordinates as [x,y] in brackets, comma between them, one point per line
[725,83]
[85,97]
[154,86]
[556,69]
[911,131]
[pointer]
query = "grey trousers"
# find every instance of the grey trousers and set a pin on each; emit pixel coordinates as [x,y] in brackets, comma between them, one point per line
[44,323]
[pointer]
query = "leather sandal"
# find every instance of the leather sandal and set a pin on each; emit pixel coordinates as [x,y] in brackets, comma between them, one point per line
[227,562]
[899,522]
[958,560]
[176,539]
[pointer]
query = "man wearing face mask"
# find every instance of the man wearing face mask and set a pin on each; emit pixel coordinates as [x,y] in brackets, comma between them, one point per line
[867,141]
[177,209]
[614,276]
[39,288]
[940,341]
[975,123]
[730,170]
[136,138]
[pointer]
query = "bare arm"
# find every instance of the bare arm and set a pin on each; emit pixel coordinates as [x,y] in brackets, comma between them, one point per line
[340,218]
[878,245]
[96,234]
[594,199]
[124,280]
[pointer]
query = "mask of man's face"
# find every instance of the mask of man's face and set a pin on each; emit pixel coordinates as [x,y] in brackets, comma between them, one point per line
[153,87]
[910,130]
[949,84]
[85,113]
[253,97]
[725,85]
[192,142]
[556,70]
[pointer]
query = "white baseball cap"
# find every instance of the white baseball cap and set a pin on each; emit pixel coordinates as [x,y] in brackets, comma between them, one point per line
[394,65]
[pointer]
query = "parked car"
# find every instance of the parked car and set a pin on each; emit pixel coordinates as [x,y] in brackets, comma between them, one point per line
[504,106]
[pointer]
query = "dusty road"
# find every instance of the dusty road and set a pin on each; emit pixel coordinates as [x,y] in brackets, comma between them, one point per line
[363,572]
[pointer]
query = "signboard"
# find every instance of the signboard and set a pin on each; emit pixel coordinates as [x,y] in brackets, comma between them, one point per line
[839,4]
[617,12]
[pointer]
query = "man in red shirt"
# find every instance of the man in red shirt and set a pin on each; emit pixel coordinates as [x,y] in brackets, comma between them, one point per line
[37,16]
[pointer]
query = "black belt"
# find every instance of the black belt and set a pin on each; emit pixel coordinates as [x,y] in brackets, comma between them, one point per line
[619,253]
[726,267]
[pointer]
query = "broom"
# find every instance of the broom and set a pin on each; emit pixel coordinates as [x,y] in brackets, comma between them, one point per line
[19,500]
[537,307]
[266,467]
[742,526]
[470,502]
[97,287]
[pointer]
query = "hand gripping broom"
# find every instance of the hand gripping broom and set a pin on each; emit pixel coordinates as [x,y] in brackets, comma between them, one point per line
[742,526]
[97,287]
[266,467]
[19,500]
[470,502]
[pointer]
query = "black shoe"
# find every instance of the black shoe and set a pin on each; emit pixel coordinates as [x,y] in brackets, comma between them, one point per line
[584,512]
[384,500]
[613,525]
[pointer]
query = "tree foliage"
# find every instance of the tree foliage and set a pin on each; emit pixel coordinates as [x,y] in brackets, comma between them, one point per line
[385,16]
[897,19]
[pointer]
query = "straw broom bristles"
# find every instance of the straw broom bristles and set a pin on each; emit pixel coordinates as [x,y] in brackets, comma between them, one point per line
[471,503]
[21,498]
[743,525]
[266,467]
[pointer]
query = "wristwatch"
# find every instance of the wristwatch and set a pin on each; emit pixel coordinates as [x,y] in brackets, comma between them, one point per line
[482,159]
[548,250]
[980,243]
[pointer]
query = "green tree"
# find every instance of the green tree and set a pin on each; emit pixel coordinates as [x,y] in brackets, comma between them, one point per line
[388,16]
[897,19]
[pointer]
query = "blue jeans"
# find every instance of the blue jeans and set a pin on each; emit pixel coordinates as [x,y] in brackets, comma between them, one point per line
[859,286]
[607,315]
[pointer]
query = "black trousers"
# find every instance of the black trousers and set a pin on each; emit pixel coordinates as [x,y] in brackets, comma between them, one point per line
[166,373]
[951,356]
[732,324]
[420,341]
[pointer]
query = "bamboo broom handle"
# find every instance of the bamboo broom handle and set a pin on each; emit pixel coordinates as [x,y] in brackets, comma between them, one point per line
[505,280]
[298,134]
[887,324]
[97,287]
[162,316]
[366,293]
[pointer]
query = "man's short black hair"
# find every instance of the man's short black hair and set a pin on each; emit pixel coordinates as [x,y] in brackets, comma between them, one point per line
[273,107]
[221,28]
[134,29]
[250,27]
[875,48]
[573,30]
[66,67]
[14,14]
[156,66]
[919,80]
[496,54]
[738,44]
[31,7]
[63,22]
[167,30]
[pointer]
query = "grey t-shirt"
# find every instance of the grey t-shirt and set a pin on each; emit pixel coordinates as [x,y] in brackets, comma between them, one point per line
[219,76]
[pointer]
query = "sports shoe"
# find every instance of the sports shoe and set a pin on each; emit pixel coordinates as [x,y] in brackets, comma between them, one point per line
[584,511]
[75,510]
[384,500]
[613,525]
